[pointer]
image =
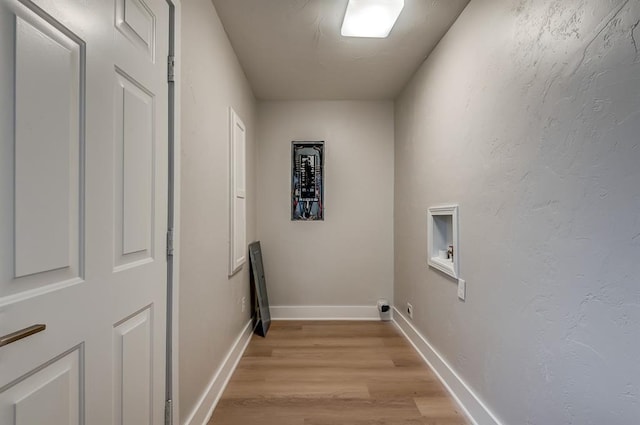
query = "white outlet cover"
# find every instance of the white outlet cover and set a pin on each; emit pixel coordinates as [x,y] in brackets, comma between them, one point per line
[462,289]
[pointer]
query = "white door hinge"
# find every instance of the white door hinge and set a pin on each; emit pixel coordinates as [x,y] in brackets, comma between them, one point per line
[171,69]
[168,412]
[170,242]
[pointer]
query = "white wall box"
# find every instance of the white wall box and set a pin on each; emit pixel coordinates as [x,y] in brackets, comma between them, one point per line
[442,239]
[237,192]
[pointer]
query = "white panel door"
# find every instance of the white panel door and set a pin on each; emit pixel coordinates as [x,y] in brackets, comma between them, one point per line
[83,210]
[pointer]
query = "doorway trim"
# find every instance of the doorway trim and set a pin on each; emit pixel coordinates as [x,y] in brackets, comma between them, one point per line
[172,355]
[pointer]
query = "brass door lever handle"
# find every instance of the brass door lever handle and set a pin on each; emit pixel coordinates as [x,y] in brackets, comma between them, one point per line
[22,333]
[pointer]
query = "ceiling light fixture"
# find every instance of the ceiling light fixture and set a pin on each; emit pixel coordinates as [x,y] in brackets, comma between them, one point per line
[371,18]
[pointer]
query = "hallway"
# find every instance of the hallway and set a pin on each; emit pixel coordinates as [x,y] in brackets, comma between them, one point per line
[523,114]
[474,167]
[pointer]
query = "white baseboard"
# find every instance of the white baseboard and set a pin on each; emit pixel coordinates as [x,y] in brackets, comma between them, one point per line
[209,399]
[468,401]
[325,312]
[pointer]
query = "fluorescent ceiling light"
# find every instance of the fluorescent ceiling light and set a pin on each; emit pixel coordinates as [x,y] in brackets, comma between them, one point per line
[371,18]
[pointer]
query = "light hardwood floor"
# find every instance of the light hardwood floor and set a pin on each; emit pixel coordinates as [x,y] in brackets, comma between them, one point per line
[334,373]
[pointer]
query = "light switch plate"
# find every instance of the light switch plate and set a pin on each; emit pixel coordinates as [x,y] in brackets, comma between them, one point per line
[462,289]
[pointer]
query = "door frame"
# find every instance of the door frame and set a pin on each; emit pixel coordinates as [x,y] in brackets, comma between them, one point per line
[172,386]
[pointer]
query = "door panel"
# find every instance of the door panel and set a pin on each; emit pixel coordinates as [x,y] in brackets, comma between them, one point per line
[50,395]
[133,370]
[136,21]
[45,173]
[134,112]
[46,147]
[83,211]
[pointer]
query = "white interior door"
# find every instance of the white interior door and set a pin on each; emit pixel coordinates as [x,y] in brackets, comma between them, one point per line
[83,210]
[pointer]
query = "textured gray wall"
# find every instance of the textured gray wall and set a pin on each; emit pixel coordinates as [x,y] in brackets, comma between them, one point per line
[527,116]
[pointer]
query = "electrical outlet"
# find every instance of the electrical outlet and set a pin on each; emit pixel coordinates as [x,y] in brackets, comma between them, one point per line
[410,310]
[462,289]
[244,303]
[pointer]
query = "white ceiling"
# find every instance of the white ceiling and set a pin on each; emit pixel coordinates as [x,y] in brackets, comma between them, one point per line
[293,50]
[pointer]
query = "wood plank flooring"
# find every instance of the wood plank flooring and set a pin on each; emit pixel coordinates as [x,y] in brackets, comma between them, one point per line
[334,373]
